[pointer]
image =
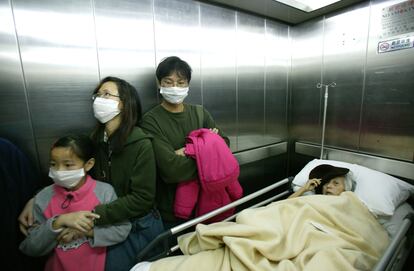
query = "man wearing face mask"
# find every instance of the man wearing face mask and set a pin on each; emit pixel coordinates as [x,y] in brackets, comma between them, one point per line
[170,123]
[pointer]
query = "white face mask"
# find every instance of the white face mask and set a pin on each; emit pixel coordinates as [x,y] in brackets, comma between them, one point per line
[105,109]
[174,95]
[66,178]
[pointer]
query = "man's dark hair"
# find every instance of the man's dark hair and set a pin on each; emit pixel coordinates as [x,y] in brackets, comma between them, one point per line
[173,64]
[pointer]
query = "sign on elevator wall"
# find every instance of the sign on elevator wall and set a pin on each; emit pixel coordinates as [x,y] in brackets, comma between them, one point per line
[397,21]
[396,44]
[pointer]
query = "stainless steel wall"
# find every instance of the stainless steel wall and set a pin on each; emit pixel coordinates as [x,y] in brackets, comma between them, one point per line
[59,66]
[372,107]
[15,120]
[53,53]
[387,120]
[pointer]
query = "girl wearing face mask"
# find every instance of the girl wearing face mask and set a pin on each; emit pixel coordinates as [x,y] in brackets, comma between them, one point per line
[124,159]
[170,123]
[64,221]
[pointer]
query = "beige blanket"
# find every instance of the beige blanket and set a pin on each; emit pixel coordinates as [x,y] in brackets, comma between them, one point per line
[306,233]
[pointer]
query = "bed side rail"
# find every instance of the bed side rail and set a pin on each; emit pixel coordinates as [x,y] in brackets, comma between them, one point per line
[390,254]
[162,239]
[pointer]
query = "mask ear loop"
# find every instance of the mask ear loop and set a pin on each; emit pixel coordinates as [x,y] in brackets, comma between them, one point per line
[65,204]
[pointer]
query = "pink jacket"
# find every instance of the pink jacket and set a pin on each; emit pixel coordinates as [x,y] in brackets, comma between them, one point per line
[217,183]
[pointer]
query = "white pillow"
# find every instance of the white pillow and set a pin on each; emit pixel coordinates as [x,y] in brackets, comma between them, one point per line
[380,192]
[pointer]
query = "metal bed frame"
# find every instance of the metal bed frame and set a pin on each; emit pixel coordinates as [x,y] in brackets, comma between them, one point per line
[394,256]
[402,243]
[163,237]
[399,248]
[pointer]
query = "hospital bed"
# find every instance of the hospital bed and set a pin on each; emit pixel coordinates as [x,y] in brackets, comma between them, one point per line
[394,257]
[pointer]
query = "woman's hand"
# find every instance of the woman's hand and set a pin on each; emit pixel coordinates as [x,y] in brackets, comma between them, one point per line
[82,221]
[26,217]
[309,186]
[312,184]
[214,130]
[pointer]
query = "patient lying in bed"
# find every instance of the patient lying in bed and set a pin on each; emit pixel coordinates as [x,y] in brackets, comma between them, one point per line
[316,232]
[327,180]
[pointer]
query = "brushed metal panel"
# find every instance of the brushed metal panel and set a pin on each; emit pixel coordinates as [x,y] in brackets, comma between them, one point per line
[305,104]
[257,154]
[275,168]
[177,32]
[58,52]
[262,173]
[387,126]
[218,67]
[15,122]
[125,41]
[345,42]
[394,167]
[250,80]
[277,66]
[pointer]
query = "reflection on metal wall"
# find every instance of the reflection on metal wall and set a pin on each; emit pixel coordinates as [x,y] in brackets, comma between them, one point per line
[15,122]
[250,80]
[277,66]
[371,107]
[218,59]
[387,126]
[55,53]
[305,104]
[125,42]
[345,38]
[57,48]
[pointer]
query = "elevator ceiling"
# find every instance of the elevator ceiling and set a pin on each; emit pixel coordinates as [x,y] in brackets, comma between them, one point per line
[282,12]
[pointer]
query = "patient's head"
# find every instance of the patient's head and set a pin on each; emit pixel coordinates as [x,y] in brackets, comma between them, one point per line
[334,180]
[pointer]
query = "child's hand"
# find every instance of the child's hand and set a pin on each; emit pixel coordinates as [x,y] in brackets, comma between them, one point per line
[26,217]
[68,235]
[82,221]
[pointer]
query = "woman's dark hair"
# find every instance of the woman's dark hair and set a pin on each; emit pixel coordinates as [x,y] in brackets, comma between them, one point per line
[131,112]
[173,64]
[81,145]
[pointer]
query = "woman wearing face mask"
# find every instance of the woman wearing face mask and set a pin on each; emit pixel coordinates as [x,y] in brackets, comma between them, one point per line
[62,212]
[170,123]
[125,159]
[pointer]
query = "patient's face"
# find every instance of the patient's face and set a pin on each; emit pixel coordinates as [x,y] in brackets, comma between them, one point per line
[334,187]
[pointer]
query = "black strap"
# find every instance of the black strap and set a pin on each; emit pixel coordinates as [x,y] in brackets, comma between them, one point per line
[200,115]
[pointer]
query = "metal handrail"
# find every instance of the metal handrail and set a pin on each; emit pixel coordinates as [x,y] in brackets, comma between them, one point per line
[163,237]
[229,206]
[264,202]
[392,247]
